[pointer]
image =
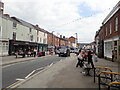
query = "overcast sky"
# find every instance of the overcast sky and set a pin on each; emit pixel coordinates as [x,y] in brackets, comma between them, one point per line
[65,17]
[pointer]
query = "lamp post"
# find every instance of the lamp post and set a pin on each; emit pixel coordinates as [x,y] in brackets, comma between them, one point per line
[76,39]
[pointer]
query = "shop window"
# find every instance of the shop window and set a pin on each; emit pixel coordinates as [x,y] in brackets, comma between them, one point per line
[115,43]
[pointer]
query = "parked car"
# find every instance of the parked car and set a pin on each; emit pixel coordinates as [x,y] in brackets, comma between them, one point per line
[64,52]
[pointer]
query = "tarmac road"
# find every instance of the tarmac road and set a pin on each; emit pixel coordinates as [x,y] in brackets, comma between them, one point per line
[21,70]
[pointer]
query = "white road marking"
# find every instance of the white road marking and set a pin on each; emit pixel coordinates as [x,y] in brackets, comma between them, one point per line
[18,79]
[40,68]
[50,64]
[30,74]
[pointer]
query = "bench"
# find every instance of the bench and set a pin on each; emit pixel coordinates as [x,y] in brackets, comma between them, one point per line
[87,69]
[109,79]
[97,70]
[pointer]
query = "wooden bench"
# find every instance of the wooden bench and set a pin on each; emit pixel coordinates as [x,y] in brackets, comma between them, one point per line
[109,79]
[97,70]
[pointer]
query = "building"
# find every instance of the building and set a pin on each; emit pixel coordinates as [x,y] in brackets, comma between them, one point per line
[17,34]
[73,40]
[1,7]
[109,34]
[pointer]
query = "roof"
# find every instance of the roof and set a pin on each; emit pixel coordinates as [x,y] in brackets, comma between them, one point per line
[23,22]
[114,10]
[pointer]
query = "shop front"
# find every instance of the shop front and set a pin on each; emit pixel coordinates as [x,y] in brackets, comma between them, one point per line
[42,48]
[15,46]
[112,44]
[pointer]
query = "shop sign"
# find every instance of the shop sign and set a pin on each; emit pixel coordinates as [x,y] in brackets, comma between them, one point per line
[26,43]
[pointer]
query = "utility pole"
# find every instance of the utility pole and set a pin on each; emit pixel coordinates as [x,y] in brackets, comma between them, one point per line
[76,39]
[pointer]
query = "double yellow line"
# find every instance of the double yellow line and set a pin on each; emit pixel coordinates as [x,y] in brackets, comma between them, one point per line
[10,85]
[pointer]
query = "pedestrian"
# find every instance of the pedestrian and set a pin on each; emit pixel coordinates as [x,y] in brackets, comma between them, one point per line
[113,55]
[95,58]
[34,52]
[80,60]
[90,61]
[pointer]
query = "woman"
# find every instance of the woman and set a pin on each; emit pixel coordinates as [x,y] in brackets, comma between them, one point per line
[80,60]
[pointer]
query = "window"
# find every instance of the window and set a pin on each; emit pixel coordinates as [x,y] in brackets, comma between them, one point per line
[37,32]
[30,30]
[44,41]
[40,39]
[14,24]
[14,35]
[110,28]
[31,37]
[0,31]
[115,43]
[37,39]
[44,33]
[106,31]
[116,24]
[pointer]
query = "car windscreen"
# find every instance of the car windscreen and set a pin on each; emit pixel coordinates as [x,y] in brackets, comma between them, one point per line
[62,49]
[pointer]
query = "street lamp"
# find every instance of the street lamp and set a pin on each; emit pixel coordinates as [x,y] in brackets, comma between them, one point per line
[76,39]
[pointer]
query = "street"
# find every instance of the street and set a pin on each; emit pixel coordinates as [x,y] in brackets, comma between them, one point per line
[21,70]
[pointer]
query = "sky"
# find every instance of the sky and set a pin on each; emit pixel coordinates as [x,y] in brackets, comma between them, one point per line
[64,17]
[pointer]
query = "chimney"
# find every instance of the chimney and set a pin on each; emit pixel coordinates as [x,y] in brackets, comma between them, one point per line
[37,25]
[1,7]
[60,36]
[63,36]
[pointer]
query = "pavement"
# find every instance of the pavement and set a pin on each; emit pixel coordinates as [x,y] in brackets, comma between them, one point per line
[6,60]
[64,74]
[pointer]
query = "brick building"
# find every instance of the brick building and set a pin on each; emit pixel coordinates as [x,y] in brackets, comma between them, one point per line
[109,34]
[1,7]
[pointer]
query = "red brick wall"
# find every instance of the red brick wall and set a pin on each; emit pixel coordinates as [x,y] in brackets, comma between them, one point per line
[72,39]
[112,21]
[102,33]
[1,6]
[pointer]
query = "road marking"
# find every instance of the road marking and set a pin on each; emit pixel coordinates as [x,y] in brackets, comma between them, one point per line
[40,68]
[11,85]
[18,79]
[30,74]
[50,64]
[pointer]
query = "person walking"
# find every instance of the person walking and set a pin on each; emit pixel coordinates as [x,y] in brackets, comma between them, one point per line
[90,61]
[80,60]
[113,55]
[34,52]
